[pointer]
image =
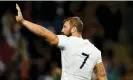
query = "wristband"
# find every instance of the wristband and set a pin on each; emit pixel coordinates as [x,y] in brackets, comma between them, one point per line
[21,21]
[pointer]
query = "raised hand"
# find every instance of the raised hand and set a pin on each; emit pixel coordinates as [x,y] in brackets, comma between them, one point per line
[19,16]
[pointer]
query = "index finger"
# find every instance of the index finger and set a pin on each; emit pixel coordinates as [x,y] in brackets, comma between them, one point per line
[17,7]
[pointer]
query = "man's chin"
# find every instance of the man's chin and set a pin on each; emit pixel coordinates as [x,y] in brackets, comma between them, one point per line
[65,34]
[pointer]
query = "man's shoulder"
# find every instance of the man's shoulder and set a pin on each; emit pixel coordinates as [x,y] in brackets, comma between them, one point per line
[66,37]
[62,35]
[92,46]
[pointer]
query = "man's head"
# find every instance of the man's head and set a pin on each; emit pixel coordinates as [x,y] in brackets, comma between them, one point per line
[72,25]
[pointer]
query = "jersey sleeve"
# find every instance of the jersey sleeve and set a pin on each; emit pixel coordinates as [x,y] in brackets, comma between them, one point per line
[99,57]
[62,41]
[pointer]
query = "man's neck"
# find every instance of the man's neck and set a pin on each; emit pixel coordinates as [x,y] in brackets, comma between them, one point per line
[77,35]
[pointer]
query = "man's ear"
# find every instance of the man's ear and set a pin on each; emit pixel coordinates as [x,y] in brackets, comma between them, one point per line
[74,29]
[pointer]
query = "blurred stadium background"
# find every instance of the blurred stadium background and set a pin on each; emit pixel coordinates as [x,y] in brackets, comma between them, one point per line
[25,56]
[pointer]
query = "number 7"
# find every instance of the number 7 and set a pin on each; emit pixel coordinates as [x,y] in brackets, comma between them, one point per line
[87,56]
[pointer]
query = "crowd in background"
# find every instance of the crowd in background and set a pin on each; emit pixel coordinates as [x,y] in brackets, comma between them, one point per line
[25,56]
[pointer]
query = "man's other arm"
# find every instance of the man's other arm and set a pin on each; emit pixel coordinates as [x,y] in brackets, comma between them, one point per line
[100,71]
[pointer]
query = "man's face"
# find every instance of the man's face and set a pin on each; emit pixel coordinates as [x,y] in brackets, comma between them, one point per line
[66,29]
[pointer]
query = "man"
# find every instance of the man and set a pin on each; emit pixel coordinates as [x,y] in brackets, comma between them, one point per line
[79,56]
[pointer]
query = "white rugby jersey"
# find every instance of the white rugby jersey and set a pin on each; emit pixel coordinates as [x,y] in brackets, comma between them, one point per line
[79,58]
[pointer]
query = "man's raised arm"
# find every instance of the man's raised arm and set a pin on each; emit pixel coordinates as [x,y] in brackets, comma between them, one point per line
[37,29]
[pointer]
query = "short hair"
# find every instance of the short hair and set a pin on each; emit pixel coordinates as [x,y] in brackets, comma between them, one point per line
[75,21]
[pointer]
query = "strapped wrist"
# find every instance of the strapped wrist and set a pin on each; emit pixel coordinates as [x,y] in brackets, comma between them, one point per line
[21,21]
